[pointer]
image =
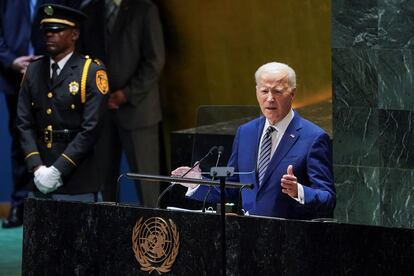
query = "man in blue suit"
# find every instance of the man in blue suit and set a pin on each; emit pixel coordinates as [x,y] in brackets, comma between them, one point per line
[290,157]
[17,44]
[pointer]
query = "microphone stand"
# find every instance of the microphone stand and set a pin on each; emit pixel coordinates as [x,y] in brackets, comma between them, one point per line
[219,153]
[223,221]
[222,173]
[118,187]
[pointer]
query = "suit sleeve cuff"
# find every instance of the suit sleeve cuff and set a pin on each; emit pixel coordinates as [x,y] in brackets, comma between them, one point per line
[65,164]
[8,60]
[301,194]
[33,160]
[191,191]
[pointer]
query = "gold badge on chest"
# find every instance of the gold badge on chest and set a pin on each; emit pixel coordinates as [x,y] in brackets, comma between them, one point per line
[73,88]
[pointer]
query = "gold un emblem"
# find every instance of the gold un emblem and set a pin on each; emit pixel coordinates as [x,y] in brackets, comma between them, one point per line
[155,243]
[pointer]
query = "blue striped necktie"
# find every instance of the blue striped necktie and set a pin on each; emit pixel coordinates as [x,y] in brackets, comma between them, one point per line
[265,149]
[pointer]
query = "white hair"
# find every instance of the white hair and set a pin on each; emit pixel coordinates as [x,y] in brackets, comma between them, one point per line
[274,67]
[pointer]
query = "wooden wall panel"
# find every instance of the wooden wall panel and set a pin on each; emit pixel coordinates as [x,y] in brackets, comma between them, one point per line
[215,46]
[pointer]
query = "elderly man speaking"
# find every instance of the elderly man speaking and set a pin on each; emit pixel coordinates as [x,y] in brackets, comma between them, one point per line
[290,156]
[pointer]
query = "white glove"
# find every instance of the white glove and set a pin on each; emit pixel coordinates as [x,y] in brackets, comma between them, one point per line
[47,179]
[39,177]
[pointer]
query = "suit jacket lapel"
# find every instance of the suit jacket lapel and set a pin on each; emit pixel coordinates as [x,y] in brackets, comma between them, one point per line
[288,140]
[67,70]
[259,130]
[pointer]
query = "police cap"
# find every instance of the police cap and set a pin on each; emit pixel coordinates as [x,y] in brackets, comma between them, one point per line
[58,17]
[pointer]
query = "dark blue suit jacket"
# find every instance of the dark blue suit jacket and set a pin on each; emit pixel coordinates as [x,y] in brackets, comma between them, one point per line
[305,146]
[15,35]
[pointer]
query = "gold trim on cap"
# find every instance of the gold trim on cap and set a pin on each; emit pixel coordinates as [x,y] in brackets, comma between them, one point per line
[59,21]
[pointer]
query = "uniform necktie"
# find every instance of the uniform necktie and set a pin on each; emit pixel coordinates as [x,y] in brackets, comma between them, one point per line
[265,149]
[55,68]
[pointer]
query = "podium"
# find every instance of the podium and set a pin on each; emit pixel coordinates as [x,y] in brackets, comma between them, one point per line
[73,238]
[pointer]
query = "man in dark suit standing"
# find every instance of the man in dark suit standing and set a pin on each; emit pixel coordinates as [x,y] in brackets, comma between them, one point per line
[128,37]
[16,51]
[290,157]
[60,104]
[20,40]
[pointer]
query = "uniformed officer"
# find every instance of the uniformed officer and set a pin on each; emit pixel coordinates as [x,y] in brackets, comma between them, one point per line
[60,103]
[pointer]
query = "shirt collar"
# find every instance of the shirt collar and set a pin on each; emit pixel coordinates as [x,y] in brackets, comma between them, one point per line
[61,63]
[282,125]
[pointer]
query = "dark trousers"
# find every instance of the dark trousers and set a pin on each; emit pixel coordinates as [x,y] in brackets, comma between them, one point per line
[20,175]
[141,147]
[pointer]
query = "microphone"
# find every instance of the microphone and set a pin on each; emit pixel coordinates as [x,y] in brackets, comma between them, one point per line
[210,152]
[220,150]
[118,187]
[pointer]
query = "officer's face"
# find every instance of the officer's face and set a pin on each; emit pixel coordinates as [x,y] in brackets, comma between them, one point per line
[61,42]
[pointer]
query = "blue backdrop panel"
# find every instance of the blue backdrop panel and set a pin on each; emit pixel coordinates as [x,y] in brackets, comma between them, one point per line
[5,142]
[128,192]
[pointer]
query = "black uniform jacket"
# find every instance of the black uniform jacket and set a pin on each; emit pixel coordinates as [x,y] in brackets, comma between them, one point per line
[59,122]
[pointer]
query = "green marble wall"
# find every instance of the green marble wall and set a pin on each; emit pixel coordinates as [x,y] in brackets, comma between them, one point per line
[373,111]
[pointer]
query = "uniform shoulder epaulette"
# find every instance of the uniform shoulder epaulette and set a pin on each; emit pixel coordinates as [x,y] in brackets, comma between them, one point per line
[85,71]
[101,79]
[97,61]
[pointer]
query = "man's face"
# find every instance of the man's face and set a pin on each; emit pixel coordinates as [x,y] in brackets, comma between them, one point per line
[274,95]
[61,42]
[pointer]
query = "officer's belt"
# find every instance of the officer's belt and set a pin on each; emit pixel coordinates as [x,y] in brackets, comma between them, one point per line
[64,135]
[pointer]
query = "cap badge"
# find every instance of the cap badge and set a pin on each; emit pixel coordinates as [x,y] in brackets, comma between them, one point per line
[73,87]
[48,10]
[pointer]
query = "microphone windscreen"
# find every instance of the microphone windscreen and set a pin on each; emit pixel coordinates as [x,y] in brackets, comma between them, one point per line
[212,149]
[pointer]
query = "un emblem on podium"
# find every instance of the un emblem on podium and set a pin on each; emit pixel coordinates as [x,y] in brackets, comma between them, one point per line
[155,243]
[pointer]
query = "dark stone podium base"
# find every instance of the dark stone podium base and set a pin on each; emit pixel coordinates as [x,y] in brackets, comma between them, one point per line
[67,238]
